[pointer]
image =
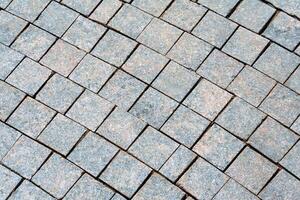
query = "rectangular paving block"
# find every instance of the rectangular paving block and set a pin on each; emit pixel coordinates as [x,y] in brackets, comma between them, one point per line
[4,3]
[293,82]
[293,7]
[296,126]
[8,137]
[291,160]
[223,7]
[155,8]
[106,10]
[11,181]
[83,6]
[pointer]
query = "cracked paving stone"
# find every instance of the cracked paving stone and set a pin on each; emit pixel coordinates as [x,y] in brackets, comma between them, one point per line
[291,160]
[8,137]
[223,7]
[9,180]
[293,82]
[83,6]
[155,8]
[106,10]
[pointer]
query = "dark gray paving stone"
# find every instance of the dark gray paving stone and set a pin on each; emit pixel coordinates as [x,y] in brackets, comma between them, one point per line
[156,7]
[296,126]
[83,6]
[222,8]
[106,10]
[291,160]
[9,180]
[294,81]
[8,137]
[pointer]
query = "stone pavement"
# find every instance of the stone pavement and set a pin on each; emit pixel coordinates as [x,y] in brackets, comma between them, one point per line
[149,99]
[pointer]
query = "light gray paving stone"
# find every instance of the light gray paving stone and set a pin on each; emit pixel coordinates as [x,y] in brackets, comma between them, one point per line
[122,89]
[9,181]
[118,197]
[57,176]
[214,29]
[190,51]
[31,117]
[284,30]
[251,170]
[125,174]
[83,6]
[61,134]
[277,62]
[240,118]
[251,85]
[159,35]
[88,188]
[93,153]
[282,104]
[90,110]
[62,57]
[26,156]
[154,7]
[10,98]
[207,99]
[59,93]
[10,27]
[291,160]
[8,137]
[106,10]
[283,186]
[159,188]
[252,14]
[184,14]
[84,33]
[114,48]
[4,3]
[245,45]
[294,81]
[185,126]
[297,51]
[273,139]
[292,6]
[154,107]
[218,147]
[177,163]
[130,20]
[211,178]
[296,126]
[222,8]
[153,148]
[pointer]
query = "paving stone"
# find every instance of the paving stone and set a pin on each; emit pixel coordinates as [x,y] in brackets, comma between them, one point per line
[297,51]
[218,147]
[83,6]
[118,197]
[177,163]
[8,137]
[245,45]
[125,174]
[122,89]
[90,110]
[214,29]
[220,68]
[93,153]
[282,104]
[10,98]
[296,126]
[10,27]
[292,6]
[84,33]
[211,178]
[154,7]
[153,148]
[106,10]
[252,14]
[154,107]
[291,160]
[273,139]
[61,134]
[185,126]
[277,62]
[284,30]
[57,176]
[190,51]
[159,35]
[158,188]
[240,118]
[114,48]
[26,156]
[283,186]
[9,181]
[251,170]
[4,3]
[222,8]
[88,188]
[31,117]
[293,82]
[251,85]
[207,99]
[184,14]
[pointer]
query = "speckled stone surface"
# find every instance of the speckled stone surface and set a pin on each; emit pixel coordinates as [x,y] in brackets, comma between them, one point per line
[83,6]
[8,137]
[293,82]
[296,126]
[292,159]
[4,3]
[155,8]
[222,8]
[8,183]
[105,11]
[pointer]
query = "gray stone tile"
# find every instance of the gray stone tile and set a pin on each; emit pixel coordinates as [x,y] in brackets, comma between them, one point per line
[121,128]
[61,134]
[251,85]
[292,7]
[57,176]
[153,148]
[59,93]
[284,30]
[214,29]
[222,8]
[159,35]
[291,160]
[282,104]
[296,126]
[154,107]
[9,181]
[114,48]
[185,126]
[240,118]
[8,137]
[294,81]
[31,117]
[190,51]
[218,147]
[90,110]
[251,170]
[26,156]
[245,45]
[106,10]
[297,51]
[125,174]
[83,6]
[211,178]
[93,153]
[118,197]
[4,3]
[207,99]
[156,7]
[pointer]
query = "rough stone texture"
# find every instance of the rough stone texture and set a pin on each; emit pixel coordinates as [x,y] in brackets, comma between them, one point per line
[4,3]
[291,160]
[223,7]
[105,11]
[9,181]
[293,82]
[292,6]
[155,7]
[83,6]
[118,197]
[8,137]
[296,126]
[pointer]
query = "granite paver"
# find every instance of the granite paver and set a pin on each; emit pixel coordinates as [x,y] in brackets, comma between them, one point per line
[155,8]
[105,11]
[8,137]
[8,183]
[291,160]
